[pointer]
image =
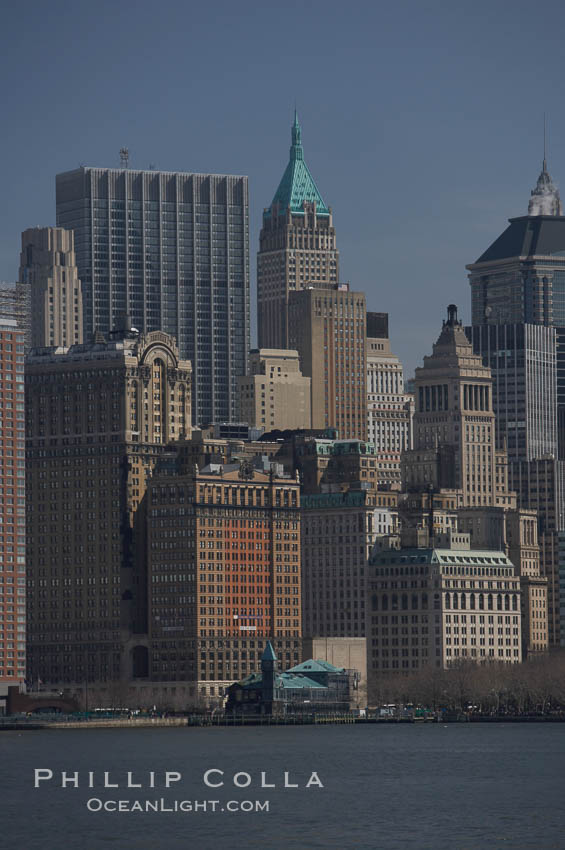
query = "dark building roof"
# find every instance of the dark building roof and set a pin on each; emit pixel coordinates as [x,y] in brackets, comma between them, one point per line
[377,325]
[528,236]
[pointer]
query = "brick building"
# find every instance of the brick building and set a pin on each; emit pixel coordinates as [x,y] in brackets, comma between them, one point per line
[98,418]
[224,572]
[12,505]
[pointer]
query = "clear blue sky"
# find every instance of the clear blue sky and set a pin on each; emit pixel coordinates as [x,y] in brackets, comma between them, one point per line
[421,121]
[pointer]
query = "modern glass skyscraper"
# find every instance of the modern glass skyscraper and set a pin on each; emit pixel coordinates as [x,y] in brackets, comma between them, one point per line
[520,278]
[170,250]
[522,359]
[518,285]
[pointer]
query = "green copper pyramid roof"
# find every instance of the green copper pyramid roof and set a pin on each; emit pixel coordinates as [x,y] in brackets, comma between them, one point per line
[315,666]
[297,184]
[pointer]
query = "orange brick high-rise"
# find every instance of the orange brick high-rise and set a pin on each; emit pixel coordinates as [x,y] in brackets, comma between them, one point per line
[224,572]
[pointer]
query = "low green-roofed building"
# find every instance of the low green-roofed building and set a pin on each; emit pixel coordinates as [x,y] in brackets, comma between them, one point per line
[311,686]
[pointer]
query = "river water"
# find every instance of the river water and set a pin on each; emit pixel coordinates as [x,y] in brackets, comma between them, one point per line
[395,787]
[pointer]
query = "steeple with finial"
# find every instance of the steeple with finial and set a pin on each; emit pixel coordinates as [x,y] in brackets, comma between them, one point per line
[296,151]
[297,185]
[545,198]
[269,674]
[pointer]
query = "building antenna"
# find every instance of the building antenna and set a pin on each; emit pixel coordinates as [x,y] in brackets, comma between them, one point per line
[124,157]
[544,142]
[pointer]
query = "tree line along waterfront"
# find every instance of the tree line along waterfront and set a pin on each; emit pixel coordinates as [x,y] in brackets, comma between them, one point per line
[533,688]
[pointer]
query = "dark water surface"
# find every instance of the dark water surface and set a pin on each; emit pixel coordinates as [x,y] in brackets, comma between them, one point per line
[395,787]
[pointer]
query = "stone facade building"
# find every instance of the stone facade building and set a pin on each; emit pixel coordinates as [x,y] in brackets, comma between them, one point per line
[524,552]
[328,329]
[515,531]
[48,268]
[432,604]
[457,462]
[337,538]
[297,247]
[454,445]
[275,395]
[329,465]
[388,407]
[343,512]
[98,417]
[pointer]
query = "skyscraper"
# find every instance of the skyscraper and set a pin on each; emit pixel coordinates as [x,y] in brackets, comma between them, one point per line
[388,407]
[12,506]
[457,476]
[338,532]
[48,270]
[98,418]
[342,513]
[522,359]
[516,284]
[15,304]
[275,395]
[170,250]
[520,278]
[224,571]
[297,247]
[454,445]
[328,329]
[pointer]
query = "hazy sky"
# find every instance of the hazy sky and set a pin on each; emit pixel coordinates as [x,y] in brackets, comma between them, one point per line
[421,121]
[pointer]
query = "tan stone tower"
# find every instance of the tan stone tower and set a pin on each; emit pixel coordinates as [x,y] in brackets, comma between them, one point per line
[275,394]
[328,329]
[454,421]
[297,247]
[455,457]
[389,408]
[48,267]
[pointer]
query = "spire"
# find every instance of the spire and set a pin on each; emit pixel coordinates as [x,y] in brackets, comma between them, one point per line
[452,339]
[296,151]
[452,315]
[268,652]
[545,198]
[297,184]
[544,160]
